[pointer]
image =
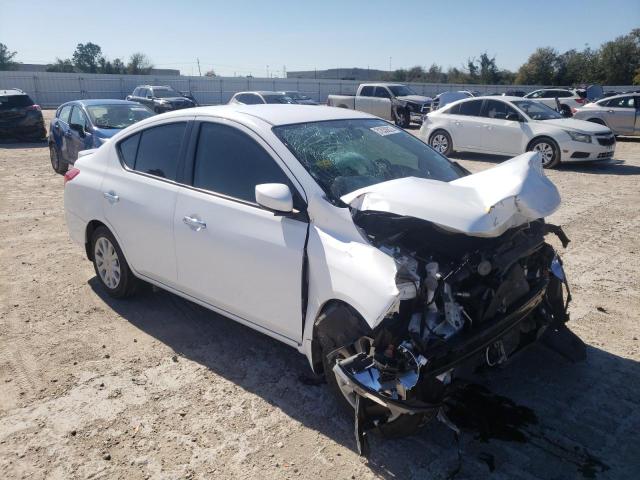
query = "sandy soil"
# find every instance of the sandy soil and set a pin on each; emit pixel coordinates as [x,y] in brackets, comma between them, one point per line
[157,387]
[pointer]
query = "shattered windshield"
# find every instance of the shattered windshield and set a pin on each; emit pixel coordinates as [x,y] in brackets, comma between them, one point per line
[536,110]
[346,155]
[117,116]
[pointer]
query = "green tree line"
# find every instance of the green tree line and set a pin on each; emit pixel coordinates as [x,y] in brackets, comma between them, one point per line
[87,58]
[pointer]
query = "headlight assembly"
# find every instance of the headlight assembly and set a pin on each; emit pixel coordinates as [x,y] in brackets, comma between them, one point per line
[579,137]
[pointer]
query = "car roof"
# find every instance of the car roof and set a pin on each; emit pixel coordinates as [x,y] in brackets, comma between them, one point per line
[12,91]
[277,114]
[106,101]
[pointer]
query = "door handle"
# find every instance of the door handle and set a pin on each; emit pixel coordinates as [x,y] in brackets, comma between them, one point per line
[111,197]
[457,123]
[610,111]
[194,223]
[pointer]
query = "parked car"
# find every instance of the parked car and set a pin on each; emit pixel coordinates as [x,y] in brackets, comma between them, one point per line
[391,101]
[300,98]
[620,113]
[86,124]
[514,93]
[512,125]
[161,99]
[558,98]
[20,118]
[336,233]
[261,97]
[445,98]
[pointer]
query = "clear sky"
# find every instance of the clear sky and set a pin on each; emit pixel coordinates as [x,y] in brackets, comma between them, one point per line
[243,37]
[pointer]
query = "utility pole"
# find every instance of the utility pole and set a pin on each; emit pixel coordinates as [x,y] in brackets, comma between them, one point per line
[284,71]
[389,63]
[199,72]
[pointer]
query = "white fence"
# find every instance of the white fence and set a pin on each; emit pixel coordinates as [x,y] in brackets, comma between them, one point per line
[52,89]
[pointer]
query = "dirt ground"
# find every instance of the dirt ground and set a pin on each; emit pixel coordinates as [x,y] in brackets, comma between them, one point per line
[157,387]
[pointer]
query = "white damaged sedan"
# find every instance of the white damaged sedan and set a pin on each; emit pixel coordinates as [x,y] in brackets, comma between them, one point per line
[390,267]
[513,125]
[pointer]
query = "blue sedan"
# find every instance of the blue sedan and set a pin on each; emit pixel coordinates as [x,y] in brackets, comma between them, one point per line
[85,124]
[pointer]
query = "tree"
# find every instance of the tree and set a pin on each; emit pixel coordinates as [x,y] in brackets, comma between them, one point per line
[61,65]
[139,64]
[620,58]
[472,68]
[6,58]
[115,67]
[210,73]
[87,57]
[488,69]
[540,68]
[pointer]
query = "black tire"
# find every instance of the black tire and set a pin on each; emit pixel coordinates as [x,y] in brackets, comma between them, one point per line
[126,283]
[549,150]
[402,118]
[57,163]
[441,142]
[338,345]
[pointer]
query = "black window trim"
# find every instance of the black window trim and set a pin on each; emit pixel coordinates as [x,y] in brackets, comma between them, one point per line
[181,155]
[59,111]
[190,159]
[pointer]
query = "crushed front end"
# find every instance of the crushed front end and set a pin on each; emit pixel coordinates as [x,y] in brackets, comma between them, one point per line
[464,302]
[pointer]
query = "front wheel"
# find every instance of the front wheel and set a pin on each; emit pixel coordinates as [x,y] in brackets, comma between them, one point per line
[441,142]
[402,118]
[111,267]
[548,150]
[57,163]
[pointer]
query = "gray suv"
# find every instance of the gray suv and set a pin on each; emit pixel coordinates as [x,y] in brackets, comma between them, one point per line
[161,99]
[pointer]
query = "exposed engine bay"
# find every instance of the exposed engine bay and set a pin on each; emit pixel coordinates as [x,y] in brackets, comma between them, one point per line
[464,302]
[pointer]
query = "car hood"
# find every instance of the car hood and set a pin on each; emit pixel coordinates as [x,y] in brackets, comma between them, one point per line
[485,204]
[579,125]
[415,98]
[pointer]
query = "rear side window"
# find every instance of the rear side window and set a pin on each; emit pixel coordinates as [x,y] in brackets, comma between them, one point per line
[15,101]
[366,92]
[471,108]
[231,163]
[64,113]
[454,110]
[622,102]
[154,151]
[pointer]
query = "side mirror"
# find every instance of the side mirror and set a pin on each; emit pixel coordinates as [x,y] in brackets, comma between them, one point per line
[76,127]
[150,97]
[274,196]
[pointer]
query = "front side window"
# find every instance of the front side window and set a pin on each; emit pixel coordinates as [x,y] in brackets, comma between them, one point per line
[382,92]
[471,108]
[622,102]
[345,155]
[230,162]
[154,151]
[117,116]
[78,117]
[537,110]
[65,112]
[498,110]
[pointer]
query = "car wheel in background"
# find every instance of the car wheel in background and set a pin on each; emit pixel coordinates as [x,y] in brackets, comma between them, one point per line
[111,267]
[548,149]
[59,165]
[441,142]
[598,121]
[402,118]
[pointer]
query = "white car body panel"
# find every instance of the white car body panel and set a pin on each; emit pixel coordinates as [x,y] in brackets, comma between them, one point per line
[485,204]
[251,269]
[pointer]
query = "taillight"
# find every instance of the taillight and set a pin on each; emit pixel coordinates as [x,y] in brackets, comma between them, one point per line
[71,174]
[581,101]
[34,107]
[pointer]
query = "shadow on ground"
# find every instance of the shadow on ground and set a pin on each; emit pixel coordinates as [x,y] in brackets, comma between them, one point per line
[587,414]
[11,144]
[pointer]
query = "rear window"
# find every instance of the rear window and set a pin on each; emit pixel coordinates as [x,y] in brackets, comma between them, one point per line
[15,101]
[154,151]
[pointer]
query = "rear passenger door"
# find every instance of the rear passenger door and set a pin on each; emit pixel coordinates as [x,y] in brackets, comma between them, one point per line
[621,115]
[232,253]
[139,194]
[467,129]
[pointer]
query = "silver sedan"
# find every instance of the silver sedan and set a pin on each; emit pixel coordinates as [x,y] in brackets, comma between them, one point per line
[620,113]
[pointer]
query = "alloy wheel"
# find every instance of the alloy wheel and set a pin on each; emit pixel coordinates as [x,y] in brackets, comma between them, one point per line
[440,143]
[546,151]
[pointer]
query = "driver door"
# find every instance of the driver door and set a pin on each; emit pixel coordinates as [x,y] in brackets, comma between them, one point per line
[232,253]
[76,140]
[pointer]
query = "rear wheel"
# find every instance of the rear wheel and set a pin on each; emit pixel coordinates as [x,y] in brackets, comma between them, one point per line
[59,165]
[111,267]
[548,150]
[441,142]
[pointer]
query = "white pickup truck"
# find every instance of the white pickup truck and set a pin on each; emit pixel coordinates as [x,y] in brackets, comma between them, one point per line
[391,101]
